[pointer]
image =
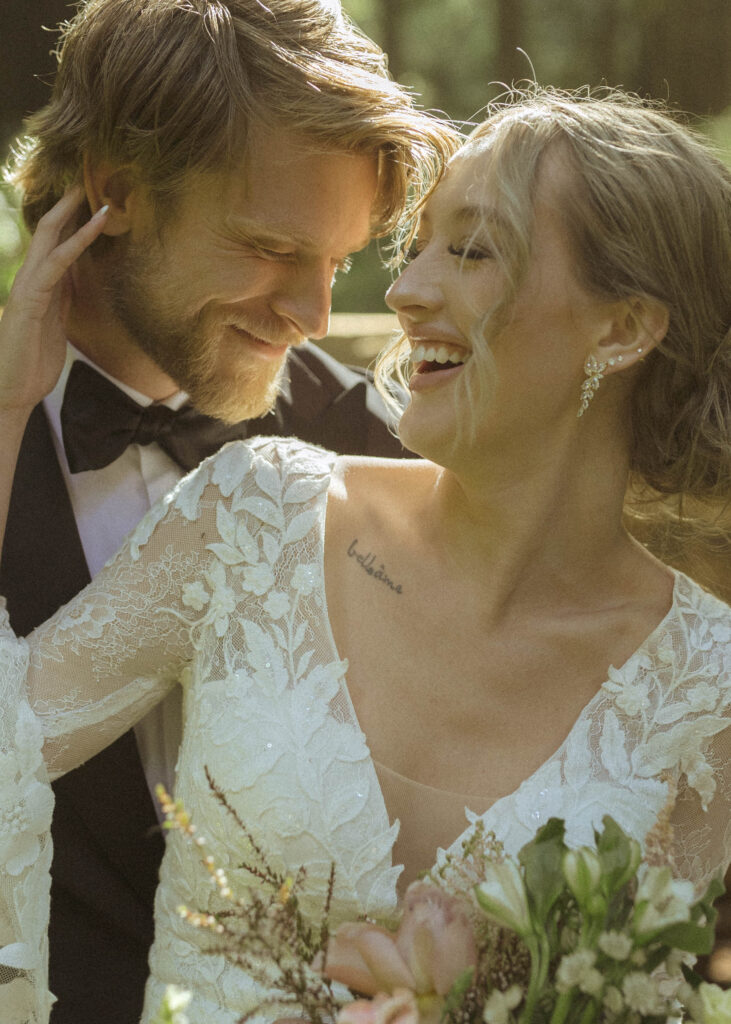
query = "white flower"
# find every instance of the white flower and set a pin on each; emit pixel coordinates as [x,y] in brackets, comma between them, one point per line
[617,945]
[575,968]
[195,595]
[223,599]
[716,1004]
[257,579]
[26,806]
[305,578]
[661,900]
[721,632]
[613,1000]
[277,604]
[633,698]
[86,619]
[641,994]
[703,697]
[177,998]
[174,1002]
[592,982]
[499,1005]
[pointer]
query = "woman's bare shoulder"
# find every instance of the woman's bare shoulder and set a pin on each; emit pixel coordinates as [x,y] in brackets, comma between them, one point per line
[376,483]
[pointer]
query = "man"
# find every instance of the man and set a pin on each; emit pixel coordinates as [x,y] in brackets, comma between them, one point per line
[243,151]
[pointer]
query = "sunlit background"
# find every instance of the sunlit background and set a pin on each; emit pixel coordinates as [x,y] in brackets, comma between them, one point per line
[456,55]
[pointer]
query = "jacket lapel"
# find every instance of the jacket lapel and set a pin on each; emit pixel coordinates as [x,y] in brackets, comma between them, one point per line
[43,564]
[329,404]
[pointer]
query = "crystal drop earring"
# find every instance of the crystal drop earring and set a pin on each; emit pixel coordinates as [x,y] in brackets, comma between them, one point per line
[594,370]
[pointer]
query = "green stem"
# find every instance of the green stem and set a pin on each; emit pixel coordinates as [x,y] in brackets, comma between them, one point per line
[539,956]
[562,1007]
[589,1013]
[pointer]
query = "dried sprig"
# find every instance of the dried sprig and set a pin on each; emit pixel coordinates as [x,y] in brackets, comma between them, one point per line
[262,930]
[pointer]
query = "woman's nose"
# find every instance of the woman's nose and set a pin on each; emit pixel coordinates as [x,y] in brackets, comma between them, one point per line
[417,287]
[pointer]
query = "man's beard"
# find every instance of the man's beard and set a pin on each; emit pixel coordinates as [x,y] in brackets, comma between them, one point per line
[191,349]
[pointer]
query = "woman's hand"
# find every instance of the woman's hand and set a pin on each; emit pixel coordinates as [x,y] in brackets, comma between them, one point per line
[32,336]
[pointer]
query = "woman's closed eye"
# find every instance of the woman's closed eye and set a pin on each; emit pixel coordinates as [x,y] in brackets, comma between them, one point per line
[469,251]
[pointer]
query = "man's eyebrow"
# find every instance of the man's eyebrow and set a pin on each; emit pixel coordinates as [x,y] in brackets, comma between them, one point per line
[268,234]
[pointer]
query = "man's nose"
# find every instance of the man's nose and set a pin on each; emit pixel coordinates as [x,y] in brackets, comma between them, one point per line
[306,300]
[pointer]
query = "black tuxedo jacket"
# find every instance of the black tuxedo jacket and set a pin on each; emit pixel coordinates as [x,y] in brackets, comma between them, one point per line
[107,843]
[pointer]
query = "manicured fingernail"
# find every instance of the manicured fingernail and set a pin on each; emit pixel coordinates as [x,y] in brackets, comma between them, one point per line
[102,210]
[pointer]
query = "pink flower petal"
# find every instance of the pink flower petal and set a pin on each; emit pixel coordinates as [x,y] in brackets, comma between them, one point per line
[365,958]
[435,938]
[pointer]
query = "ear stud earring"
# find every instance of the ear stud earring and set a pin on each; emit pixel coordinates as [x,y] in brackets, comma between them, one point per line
[594,370]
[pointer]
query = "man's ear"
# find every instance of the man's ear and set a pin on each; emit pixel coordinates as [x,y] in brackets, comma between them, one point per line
[117,187]
[639,325]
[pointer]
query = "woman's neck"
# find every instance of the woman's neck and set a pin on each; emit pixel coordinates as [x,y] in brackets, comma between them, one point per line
[538,525]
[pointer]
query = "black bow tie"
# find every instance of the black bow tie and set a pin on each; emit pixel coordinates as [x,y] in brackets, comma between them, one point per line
[98,422]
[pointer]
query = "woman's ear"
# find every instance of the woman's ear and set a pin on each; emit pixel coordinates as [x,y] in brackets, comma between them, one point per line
[639,325]
[116,187]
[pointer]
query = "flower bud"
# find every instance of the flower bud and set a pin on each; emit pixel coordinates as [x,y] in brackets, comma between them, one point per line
[503,898]
[582,870]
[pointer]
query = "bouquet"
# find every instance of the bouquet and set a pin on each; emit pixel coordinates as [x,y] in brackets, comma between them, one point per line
[552,936]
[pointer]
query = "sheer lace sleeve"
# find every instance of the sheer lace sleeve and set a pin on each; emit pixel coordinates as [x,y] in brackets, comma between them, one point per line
[26,803]
[79,681]
[103,660]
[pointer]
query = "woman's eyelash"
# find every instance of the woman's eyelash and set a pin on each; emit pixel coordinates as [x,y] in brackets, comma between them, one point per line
[465,252]
[469,252]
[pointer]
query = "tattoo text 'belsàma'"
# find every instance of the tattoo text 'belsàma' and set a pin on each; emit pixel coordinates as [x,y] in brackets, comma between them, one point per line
[368,563]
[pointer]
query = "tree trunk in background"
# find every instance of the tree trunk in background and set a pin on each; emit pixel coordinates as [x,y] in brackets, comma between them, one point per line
[603,33]
[390,21]
[26,64]
[685,54]
[510,65]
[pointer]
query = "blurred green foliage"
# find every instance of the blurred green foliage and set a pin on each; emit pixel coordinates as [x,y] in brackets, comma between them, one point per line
[455,53]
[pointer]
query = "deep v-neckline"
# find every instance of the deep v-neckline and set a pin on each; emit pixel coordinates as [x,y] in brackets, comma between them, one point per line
[492,812]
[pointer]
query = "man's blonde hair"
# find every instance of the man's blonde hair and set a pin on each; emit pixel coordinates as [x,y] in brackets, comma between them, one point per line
[172,88]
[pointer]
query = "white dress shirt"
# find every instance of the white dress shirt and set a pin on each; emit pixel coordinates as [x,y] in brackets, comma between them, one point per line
[107,504]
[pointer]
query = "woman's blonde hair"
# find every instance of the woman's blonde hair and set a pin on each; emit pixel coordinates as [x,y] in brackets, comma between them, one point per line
[647,209]
[172,87]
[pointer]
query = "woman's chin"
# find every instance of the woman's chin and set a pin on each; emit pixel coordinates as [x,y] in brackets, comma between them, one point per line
[429,433]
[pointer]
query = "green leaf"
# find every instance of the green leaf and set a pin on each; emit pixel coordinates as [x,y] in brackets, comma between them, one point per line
[620,855]
[542,860]
[694,938]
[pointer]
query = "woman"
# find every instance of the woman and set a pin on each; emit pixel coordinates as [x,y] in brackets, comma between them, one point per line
[509,647]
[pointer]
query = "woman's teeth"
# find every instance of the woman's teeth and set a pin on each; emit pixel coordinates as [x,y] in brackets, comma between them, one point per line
[440,354]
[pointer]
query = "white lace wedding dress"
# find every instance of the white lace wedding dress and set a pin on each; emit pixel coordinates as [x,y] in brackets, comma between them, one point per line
[222,588]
